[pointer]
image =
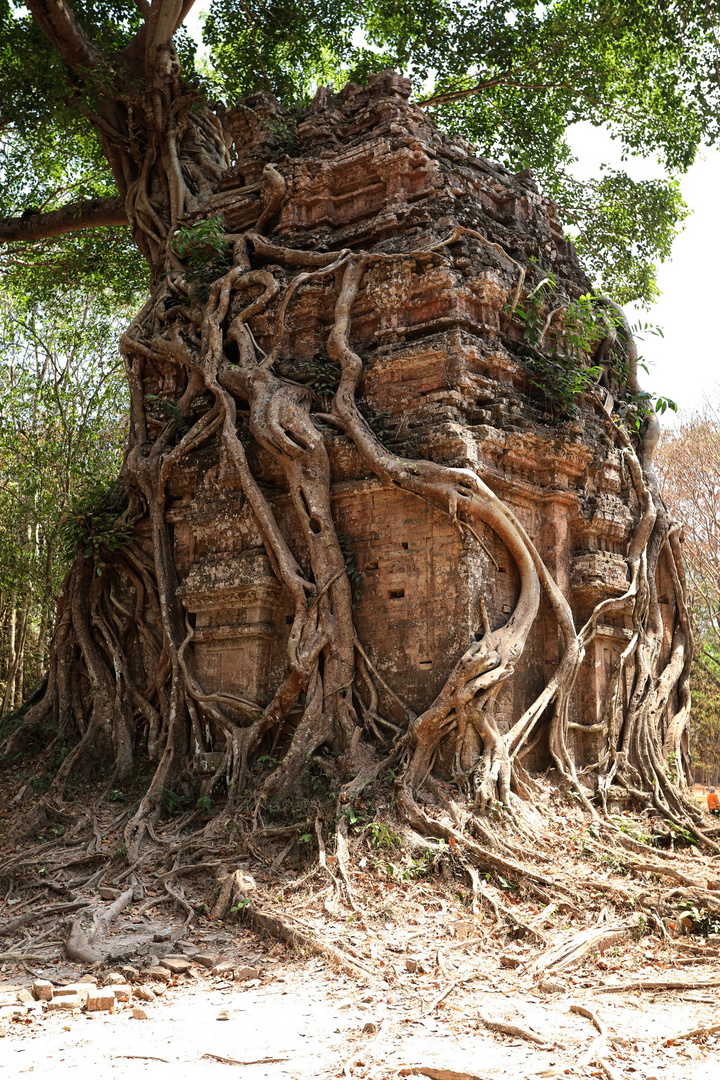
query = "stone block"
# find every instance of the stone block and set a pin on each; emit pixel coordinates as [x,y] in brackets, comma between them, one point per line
[101,1001]
[225,967]
[159,974]
[112,977]
[208,960]
[122,991]
[70,1003]
[42,990]
[245,973]
[143,994]
[177,965]
[71,990]
[139,1014]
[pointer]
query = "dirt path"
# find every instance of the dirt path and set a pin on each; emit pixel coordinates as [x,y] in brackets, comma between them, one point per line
[302,1020]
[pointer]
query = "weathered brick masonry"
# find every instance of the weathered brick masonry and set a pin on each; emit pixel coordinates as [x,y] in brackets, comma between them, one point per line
[443,378]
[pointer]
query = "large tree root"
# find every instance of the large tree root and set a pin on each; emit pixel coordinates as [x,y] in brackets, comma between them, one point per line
[123,683]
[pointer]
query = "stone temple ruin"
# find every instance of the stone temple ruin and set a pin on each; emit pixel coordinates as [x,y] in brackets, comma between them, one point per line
[443,380]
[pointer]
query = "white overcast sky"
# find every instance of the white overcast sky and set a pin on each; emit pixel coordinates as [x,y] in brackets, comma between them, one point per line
[685,363]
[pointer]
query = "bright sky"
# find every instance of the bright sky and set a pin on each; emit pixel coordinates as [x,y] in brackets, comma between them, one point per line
[685,364]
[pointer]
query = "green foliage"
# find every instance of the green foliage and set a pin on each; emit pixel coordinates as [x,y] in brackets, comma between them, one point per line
[382,837]
[63,405]
[624,227]
[560,371]
[558,340]
[703,921]
[204,804]
[168,412]
[323,375]
[95,523]
[268,761]
[203,248]
[243,903]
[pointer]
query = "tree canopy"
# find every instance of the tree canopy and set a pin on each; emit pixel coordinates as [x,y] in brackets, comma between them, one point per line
[510,76]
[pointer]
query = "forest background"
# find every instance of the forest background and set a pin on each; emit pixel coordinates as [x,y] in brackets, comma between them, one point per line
[547,84]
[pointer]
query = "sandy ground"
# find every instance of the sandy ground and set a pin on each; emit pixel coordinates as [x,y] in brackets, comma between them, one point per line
[303,1020]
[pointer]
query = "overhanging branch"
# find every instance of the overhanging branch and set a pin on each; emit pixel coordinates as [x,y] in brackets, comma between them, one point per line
[91,214]
[58,22]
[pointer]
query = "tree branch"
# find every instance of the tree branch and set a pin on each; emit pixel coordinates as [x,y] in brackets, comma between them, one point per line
[91,214]
[58,22]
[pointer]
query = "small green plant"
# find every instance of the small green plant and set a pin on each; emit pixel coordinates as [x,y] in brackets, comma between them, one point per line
[95,524]
[703,922]
[382,837]
[323,375]
[204,804]
[203,248]
[242,903]
[167,413]
[683,834]
[557,358]
[306,838]
[116,796]
[172,802]
[268,761]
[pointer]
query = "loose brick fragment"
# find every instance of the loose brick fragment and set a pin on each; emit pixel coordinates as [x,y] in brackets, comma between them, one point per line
[72,1004]
[72,990]
[112,977]
[101,1001]
[208,960]
[242,974]
[42,990]
[225,967]
[159,974]
[177,965]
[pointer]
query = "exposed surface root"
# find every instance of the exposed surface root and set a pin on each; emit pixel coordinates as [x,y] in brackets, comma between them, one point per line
[126,691]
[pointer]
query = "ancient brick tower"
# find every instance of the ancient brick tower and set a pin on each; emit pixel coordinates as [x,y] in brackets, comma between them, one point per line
[444,379]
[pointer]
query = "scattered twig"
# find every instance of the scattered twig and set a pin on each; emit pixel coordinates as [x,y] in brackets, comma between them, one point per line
[709,1029]
[507,1028]
[594,1053]
[234,1061]
[279,927]
[141,1057]
[656,984]
[572,950]
[435,1074]
[35,916]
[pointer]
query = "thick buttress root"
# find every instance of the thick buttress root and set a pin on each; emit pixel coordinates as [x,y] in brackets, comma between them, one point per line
[123,678]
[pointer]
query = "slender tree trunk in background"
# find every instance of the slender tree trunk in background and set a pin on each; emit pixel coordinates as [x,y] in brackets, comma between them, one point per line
[20,689]
[9,694]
